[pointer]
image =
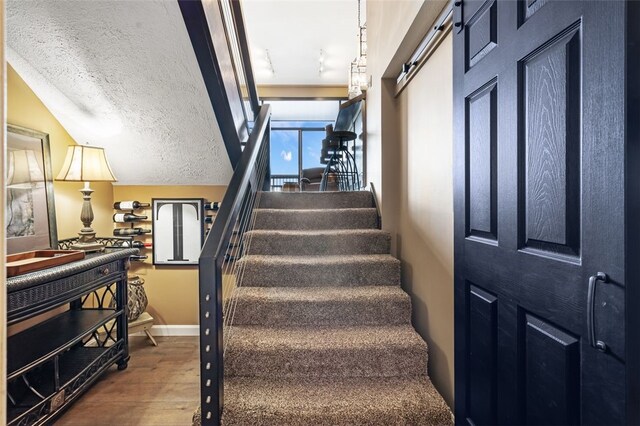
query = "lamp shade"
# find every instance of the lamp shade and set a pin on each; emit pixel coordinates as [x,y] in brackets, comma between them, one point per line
[23,169]
[86,164]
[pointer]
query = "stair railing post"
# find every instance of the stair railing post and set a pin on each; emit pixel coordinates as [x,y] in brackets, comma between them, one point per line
[266,186]
[211,342]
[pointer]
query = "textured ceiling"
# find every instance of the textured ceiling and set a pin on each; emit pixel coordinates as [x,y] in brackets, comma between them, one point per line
[294,32]
[121,75]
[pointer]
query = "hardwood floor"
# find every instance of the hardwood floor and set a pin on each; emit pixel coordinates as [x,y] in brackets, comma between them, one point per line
[160,387]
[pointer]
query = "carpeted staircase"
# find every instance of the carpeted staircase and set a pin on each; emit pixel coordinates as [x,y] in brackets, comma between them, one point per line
[322,330]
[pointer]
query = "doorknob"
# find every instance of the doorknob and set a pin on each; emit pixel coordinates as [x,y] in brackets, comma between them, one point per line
[591,305]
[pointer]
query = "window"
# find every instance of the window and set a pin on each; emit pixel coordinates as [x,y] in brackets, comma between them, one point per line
[311,148]
[284,152]
[297,131]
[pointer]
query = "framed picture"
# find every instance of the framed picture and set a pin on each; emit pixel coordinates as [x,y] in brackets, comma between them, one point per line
[178,230]
[30,214]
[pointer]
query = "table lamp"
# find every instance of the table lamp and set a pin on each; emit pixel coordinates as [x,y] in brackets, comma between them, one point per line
[86,164]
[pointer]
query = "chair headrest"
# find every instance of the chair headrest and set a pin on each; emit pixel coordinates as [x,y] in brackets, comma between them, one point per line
[313,173]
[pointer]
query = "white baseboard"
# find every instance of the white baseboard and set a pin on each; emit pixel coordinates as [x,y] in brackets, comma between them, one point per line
[172,330]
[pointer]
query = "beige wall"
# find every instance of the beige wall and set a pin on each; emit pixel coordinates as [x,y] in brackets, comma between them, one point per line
[394,29]
[172,290]
[409,159]
[275,91]
[422,181]
[3,294]
[387,23]
[26,110]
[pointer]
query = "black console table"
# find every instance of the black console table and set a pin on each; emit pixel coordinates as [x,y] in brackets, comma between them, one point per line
[51,363]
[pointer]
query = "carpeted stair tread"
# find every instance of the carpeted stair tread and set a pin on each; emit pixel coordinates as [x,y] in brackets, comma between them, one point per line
[318,242]
[333,401]
[316,271]
[322,331]
[316,200]
[355,218]
[364,305]
[346,351]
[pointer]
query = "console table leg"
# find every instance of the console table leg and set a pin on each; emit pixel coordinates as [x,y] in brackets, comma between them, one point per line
[123,323]
[123,363]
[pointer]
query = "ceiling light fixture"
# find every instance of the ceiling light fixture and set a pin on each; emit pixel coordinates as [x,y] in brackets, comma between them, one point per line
[358,81]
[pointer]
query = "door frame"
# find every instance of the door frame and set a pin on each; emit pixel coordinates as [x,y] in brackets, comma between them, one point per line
[632,211]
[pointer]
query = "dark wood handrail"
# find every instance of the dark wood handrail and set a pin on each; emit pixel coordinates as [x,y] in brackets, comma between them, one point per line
[237,187]
[206,27]
[210,265]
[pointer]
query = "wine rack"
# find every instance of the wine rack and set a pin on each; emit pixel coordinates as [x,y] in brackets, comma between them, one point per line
[211,210]
[127,213]
[234,249]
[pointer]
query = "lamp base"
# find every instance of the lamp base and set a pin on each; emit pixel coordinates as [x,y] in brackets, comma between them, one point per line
[87,241]
[87,247]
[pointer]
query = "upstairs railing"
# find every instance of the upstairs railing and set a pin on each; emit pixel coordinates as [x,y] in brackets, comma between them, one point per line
[278,181]
[218,273]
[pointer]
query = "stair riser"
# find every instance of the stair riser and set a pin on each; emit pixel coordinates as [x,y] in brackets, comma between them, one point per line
[328,244]
[325,219]
[261,274]
[326,402]
[334,313]
[316,200]
[411,415]
[362,362]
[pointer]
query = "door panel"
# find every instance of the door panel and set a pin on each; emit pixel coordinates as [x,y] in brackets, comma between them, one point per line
[539,181]
[481,34]
[550,122]
[551,361]
[526,8]
[481,159]
[483,327]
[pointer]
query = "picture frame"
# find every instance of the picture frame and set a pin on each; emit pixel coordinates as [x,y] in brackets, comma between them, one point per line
[30,217]
[178,230]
